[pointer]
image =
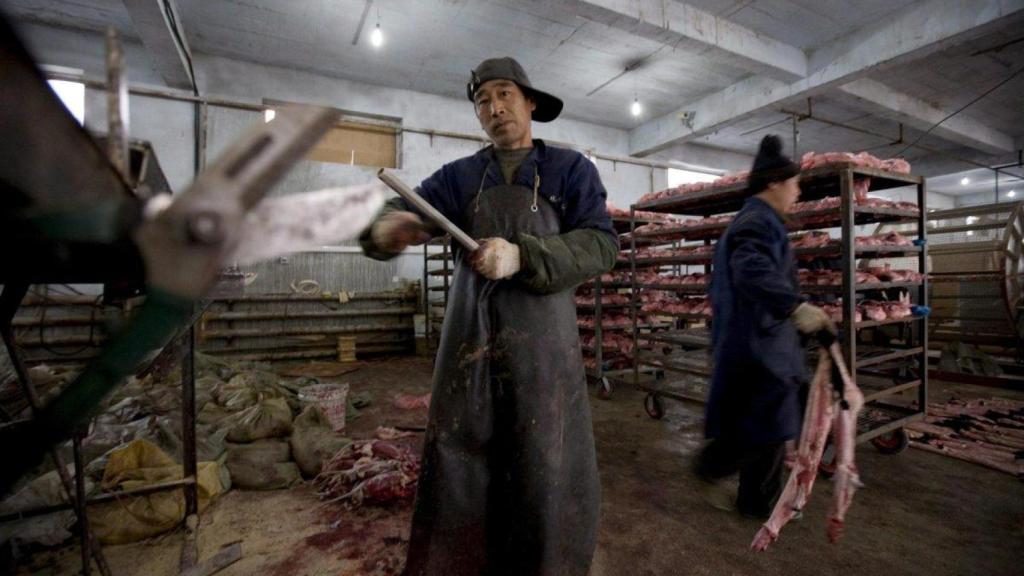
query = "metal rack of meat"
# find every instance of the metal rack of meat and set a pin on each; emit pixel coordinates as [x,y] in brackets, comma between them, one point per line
[436,281]
[604,339]
[669,280]
[882,304]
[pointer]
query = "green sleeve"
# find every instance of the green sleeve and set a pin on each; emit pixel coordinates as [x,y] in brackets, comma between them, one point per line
[395,204]
[562,261]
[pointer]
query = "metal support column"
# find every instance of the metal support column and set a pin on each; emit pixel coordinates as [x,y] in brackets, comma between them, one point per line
[849,260]
[83,522]
[922,292]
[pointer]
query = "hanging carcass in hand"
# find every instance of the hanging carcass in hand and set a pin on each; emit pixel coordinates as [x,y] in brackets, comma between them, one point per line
[369,471]
[831,407]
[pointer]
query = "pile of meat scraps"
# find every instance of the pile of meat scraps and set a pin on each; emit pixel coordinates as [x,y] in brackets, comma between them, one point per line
[989,432]
[369,471]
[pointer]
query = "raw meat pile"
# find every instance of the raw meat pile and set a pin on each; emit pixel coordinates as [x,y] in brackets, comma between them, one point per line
[819,239]
[606,299]
[658,228]
[822,211]
[887,274]
[609,321]
[834,202]
[890,239]
[616,277]
[675,280]
[700,306]
[989,432]
[809,160]
[369,471]
[648,253]
[658,296]
[616,212]
[863,159]
[873,275]
[821,277]
[812,239]
[610,342]
[411,402]
[876,310]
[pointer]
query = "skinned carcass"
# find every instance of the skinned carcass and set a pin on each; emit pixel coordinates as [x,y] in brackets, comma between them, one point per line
[832,407]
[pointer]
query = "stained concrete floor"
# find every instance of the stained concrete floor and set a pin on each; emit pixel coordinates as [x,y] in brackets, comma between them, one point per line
[919,514]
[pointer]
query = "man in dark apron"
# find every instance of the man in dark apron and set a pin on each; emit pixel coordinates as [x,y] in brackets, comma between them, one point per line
[509,482]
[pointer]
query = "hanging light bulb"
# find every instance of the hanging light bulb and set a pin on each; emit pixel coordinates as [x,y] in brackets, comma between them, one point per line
[1011,193]
[635,108]
[965,181]
[377,37]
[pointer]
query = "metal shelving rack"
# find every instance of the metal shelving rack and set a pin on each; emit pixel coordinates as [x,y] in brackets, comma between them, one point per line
[436,282]
[605,356]
[881,371]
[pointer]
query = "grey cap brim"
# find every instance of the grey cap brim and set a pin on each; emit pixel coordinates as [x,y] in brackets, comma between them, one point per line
[548,106]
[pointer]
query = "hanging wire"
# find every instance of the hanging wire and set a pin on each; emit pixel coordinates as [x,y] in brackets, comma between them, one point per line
[961,109]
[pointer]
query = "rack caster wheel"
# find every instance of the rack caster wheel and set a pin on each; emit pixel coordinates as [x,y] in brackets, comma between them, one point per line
[604,389]
[654,406]
[891,442]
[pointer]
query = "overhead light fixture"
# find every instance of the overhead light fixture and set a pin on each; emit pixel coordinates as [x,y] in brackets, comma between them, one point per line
[269,114]
[377,37]
[972,219]
[635,108]
[965,181]
[970,232]
[1011,193]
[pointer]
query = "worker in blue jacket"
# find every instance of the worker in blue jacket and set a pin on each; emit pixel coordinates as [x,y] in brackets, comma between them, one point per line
[759,363]
[509,482]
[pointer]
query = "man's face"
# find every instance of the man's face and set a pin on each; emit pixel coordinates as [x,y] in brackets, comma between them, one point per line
[787,191]
[504,113]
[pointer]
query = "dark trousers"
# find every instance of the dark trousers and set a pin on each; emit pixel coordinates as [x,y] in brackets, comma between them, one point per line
[760,467]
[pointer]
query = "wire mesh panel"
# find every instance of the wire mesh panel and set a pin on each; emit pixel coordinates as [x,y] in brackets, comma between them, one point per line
[975,267]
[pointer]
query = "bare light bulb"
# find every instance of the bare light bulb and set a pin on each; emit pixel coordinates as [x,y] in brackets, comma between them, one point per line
[965,181]
[1011,193]
[377,37]
[635,108]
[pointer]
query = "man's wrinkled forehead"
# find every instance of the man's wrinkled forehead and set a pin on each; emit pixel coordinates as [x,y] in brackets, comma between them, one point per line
[495,84]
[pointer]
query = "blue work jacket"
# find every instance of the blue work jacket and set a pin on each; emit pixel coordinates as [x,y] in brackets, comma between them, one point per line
[568,181]
[759,362]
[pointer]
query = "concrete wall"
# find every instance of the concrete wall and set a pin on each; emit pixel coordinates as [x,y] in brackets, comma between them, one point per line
[985,198]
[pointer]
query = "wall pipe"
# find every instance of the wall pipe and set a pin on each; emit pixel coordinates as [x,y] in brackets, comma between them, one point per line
[171,94]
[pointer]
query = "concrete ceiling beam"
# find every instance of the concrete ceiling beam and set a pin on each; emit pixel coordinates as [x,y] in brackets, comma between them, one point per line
[159,25]
[669,22]
[921,29]
[912,111]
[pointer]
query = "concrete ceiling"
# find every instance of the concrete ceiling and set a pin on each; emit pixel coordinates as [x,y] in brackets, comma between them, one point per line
[806,24]
[432,44]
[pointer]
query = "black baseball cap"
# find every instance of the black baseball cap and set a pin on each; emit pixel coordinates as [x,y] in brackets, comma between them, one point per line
[548,106]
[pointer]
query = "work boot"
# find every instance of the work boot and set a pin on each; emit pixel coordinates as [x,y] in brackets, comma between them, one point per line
[719,494]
